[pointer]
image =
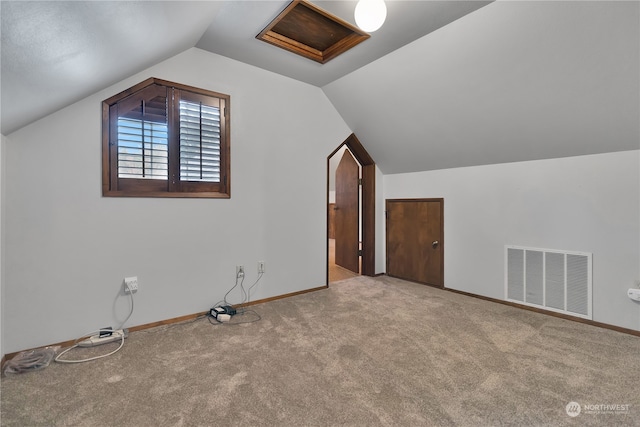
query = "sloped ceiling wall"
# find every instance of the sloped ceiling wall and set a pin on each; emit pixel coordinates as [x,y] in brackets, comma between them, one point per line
[55,53]
[512,81]
[509,81]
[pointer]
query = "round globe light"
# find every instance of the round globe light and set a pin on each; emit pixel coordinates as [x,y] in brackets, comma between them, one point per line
[370,14]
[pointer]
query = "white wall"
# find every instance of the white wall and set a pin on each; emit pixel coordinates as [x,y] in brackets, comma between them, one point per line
[587,203]
[68,248]
[2,205]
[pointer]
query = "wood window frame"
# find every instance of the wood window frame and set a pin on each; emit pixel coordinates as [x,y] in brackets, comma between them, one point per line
[113,186]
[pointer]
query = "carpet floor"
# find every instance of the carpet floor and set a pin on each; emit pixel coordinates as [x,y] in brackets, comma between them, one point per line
[365,352]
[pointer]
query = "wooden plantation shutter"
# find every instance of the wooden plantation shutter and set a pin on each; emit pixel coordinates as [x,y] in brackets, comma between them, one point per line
[140,140]
[199,141]
[166,140]
[143,149]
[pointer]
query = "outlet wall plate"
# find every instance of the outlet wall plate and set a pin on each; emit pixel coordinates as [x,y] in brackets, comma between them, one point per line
[634,294]
[130,284]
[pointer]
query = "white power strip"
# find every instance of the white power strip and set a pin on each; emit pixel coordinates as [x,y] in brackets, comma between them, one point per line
[98,340]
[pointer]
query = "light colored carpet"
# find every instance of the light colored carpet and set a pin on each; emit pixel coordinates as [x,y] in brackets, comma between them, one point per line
[365,352]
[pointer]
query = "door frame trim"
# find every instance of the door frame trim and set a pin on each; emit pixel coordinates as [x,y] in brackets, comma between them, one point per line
[386,240]
[368,204]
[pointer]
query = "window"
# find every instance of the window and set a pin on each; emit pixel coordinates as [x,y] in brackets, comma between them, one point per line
[162,139]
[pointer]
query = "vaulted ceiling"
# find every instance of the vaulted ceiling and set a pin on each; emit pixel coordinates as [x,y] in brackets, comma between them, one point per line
[442,84]
[512,81]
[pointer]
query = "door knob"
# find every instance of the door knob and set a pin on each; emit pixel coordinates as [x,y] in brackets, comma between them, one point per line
[434,243]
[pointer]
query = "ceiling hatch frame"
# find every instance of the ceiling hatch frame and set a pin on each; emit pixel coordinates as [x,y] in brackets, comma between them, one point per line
[305,29]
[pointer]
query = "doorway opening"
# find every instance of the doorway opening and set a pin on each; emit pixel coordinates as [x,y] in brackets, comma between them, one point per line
[350,212]
[345,233]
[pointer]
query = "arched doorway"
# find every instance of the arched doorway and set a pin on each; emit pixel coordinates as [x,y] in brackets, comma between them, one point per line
[367,209]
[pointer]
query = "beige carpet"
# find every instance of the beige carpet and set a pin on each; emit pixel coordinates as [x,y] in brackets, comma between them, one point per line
[365,352]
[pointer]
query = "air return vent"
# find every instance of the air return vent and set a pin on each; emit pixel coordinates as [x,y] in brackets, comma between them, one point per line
[550,279]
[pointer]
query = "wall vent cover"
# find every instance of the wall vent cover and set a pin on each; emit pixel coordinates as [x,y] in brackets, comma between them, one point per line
[551,279]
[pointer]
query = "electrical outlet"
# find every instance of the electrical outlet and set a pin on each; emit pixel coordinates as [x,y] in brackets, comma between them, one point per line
[239,271]
[130,284]
[261,267]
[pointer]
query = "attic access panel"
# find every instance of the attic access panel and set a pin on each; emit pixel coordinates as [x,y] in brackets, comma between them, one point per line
[309,31]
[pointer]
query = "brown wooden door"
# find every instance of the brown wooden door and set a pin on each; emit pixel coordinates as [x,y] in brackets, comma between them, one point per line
[347,213]
[415,240]
[332,220]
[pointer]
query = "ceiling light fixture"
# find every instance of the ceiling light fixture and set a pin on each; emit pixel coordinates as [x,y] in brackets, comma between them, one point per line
[370,14]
